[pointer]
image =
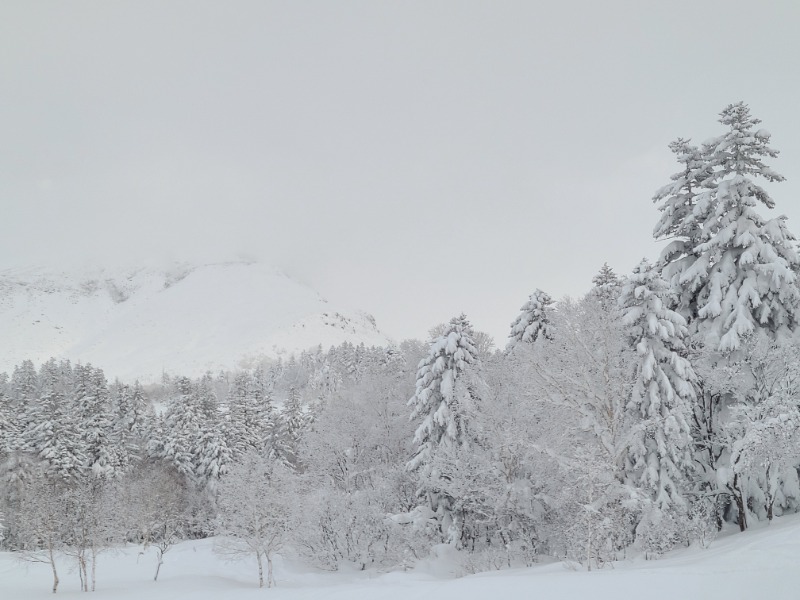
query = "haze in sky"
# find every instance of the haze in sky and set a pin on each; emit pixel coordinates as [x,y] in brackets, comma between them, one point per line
[414,159]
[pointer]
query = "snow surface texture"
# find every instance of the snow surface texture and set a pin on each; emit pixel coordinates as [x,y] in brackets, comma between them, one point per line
[186,320]
[760,563]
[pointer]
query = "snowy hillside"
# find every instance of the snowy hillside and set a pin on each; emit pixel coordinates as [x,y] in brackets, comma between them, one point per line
[757,564]
[187,319]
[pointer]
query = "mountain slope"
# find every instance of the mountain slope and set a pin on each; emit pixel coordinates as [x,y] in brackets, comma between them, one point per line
[186,319]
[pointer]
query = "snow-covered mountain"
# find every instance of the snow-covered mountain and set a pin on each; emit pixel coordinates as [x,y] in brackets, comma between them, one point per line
[185,319]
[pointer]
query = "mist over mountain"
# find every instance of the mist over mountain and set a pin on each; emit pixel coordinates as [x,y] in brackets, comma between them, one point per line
[185,318]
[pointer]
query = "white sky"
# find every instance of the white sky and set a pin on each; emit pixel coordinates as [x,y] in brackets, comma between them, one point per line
[414,159]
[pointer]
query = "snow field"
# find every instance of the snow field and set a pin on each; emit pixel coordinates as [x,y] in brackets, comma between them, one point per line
[760,563]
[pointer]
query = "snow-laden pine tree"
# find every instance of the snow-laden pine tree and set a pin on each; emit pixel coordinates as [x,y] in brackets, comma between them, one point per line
[448,391]
[238,436]
[445,392]
[732,275]
[53,434]
[207,397]
[679,222]
[9,432]
[659,457]
[24,401]
[213,454]
[288,431]
[104,455]
[607,288]
[250,418]
[132,414]
[733,270]
[178,445]
[533,322]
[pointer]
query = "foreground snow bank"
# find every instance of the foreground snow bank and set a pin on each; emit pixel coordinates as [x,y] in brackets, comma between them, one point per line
[762,563]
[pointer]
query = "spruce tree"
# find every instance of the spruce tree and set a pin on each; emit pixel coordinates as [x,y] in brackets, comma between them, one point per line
[533,321]
[9,432]
[448,391]
[55,437]
[212,455]
[659,451]
[606,288]
[180,442]
[104,454]
[732,274]
[444,396]
[249,414]
[131,412]
[733,270]
[24,402]
[293,421]
[680,222]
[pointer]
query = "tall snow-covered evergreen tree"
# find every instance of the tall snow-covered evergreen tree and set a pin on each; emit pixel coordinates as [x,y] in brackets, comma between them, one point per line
[9,432]
[24,401]
[445,392]
[734,271]
[448,390]
[732,274]
[238,427]
[212,455]
[680,222]
[250,414]
[55,436]
[288,430]
[104,454]
[533,321]
[132,415]
[659,458]
[207,397]
[180,441]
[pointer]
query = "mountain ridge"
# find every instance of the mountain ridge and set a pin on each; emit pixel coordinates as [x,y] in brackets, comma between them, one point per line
[139,322]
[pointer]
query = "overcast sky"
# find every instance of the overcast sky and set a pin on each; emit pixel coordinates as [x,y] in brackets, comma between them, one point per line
[414,159]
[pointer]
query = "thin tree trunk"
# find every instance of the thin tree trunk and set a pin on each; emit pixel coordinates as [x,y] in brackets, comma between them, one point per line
[737,495]
[158,566]
[770,497]
[80,572]
[270,578]
[589,534]
[260,569]
[94,566]
[53,565]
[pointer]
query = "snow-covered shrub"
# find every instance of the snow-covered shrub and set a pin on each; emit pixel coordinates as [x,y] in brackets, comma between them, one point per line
[340,527]
[660,531]
[491,558]
[702,522]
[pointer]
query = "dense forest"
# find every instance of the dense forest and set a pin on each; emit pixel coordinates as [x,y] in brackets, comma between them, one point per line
[650,413]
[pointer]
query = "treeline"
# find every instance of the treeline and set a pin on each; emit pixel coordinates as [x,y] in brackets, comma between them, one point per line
[86,465]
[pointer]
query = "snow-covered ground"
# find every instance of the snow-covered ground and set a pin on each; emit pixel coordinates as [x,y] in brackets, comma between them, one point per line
[761,563]
[185,319]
